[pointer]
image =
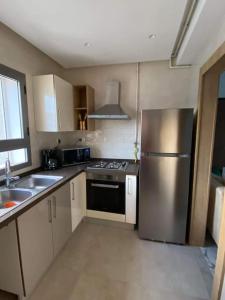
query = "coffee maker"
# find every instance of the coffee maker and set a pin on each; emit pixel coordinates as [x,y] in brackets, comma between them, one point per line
[49,159]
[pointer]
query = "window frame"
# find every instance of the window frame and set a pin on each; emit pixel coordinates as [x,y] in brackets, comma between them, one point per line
[15,144]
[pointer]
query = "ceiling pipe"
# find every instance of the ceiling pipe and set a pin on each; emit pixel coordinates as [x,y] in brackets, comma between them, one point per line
[137,99]
[188,15]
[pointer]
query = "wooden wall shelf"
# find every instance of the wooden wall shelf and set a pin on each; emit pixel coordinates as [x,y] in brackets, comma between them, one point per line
[83,105]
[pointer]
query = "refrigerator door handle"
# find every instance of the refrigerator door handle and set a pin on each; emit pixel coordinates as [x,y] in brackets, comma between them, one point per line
[149,154]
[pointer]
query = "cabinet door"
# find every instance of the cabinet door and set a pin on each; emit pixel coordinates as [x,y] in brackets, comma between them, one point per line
[11,275]
[131,199]
[35,235]
[45,103]
[64,99]
[61,211]
[78,199]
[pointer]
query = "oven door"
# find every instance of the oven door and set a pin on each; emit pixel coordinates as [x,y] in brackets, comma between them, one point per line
[106,196]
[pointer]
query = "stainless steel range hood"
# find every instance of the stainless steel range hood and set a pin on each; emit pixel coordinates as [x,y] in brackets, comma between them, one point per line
[111,110]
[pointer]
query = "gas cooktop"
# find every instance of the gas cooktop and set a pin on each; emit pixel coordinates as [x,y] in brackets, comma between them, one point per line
[109,165]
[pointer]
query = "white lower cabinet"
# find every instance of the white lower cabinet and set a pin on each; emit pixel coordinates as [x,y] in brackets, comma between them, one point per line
[131,198]
[43,231]
[78,199]
[35,235]
[11,276]
[61,217]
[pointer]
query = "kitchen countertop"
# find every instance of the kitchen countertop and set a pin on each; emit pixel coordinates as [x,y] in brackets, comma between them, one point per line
[68,173]
[133,169]
[73,171]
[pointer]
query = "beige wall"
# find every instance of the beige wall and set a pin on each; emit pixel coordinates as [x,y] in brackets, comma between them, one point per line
[17,53]
[160,87]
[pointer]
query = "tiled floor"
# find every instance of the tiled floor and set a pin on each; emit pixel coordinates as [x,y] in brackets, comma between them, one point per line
[107,263]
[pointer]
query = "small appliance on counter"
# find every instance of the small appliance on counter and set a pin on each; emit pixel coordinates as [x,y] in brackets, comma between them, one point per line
[63,157]
[70,156]
[49,159]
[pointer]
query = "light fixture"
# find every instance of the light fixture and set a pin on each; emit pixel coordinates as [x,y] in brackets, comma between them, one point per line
[152,36]
[87,44]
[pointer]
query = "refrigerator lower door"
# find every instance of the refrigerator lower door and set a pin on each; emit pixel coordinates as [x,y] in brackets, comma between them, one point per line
[163,199]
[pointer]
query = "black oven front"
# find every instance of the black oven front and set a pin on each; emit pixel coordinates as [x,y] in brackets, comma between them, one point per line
[106,193]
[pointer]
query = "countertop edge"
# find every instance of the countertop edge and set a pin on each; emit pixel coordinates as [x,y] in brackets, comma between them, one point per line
[68,173]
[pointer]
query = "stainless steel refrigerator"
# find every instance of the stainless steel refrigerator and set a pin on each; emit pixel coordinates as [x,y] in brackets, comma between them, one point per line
[166,142]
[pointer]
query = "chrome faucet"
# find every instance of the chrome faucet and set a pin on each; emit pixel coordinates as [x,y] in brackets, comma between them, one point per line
[8,177]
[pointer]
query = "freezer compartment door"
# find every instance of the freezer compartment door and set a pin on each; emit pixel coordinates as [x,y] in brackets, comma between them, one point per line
[163,199]
[167,130]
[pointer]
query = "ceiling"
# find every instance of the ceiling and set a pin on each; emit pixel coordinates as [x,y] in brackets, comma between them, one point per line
[204,28]
[116,30]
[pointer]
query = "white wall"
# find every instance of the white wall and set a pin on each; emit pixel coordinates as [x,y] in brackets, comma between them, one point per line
[160,87]
[215,43]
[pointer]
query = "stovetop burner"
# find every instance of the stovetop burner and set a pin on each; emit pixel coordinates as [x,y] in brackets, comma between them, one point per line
[109,165]
[100,164]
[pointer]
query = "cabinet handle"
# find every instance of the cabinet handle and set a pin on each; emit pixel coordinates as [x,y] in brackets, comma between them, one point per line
[108,186]
[59,117]
[54,206]
[73,193]
[50,211]
[129,186]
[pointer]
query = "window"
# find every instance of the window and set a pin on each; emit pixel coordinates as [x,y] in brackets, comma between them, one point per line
[14,130]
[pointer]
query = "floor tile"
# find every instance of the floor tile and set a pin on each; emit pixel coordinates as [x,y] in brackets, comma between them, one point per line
[108,263]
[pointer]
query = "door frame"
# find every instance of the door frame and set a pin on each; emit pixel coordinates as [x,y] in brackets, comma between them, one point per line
[206,122]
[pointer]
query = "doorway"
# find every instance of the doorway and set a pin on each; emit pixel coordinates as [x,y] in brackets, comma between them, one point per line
[208,105]
[217,182]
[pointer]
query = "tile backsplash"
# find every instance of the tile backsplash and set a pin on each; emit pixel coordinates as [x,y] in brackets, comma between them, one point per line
[106,142]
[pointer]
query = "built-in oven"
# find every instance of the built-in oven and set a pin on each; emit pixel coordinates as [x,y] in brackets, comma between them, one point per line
[106,193]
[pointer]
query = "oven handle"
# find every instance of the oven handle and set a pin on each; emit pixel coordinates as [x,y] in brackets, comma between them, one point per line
[110,186]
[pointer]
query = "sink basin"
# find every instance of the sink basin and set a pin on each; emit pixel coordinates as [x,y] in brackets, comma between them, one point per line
[14,195]
[38,181]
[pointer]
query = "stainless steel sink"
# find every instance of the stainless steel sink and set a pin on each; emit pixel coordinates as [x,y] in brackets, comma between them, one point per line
[38,181]
[14,195]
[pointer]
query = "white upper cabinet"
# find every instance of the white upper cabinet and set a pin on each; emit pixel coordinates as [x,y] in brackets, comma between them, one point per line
[54,104]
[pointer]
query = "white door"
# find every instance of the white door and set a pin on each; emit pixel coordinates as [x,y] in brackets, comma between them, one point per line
[35,235]
[10,269]
[78,199]
[65,107]
[61,217]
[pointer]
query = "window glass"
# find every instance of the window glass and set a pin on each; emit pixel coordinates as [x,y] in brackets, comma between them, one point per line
[14,127]
[16,157]
[2,118]
[10,109]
